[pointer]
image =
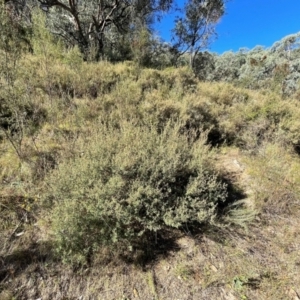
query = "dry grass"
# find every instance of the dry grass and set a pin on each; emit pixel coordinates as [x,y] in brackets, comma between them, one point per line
[259,265]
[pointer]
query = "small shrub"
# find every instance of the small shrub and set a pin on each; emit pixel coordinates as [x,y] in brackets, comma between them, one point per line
[131,181]
[18,115]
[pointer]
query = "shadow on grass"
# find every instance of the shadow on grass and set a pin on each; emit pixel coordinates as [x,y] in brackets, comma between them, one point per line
[234,195]
[153,247]
[19,260]
[16,253]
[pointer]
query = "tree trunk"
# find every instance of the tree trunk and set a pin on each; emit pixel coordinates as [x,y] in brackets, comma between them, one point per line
[100,46]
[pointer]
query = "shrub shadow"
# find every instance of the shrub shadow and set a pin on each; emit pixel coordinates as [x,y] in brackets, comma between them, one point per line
[153,247]
[18,261]
[234,195]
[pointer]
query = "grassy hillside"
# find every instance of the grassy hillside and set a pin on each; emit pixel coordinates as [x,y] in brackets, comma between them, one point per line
[119,182]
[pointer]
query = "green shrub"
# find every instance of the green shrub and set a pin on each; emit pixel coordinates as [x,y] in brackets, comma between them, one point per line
[129,182]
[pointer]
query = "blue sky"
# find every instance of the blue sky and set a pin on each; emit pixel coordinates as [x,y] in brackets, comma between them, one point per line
[248,23]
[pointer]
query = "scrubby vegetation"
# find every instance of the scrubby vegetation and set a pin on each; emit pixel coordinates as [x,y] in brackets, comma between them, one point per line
[275,68]
[120,181]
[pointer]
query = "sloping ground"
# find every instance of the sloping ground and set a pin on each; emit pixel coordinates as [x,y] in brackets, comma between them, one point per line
[262,262]
[265,262]
[259,131]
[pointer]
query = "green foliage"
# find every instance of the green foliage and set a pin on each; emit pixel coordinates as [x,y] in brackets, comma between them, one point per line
[14,34]
[97,27]
[141,47]
[43,41]
[10,46]
[275,68]
[18,113]
[118,153]
[131,181]
[193,31]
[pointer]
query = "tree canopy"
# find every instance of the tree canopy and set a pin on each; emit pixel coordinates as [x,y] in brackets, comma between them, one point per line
[111,28]
[193,30]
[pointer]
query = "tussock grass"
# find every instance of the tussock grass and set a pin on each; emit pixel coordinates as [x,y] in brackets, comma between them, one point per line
[276,179]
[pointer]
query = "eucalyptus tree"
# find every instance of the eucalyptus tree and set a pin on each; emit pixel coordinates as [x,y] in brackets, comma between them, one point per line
[276,67]
[286,66]
[195,28]
[95,23]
